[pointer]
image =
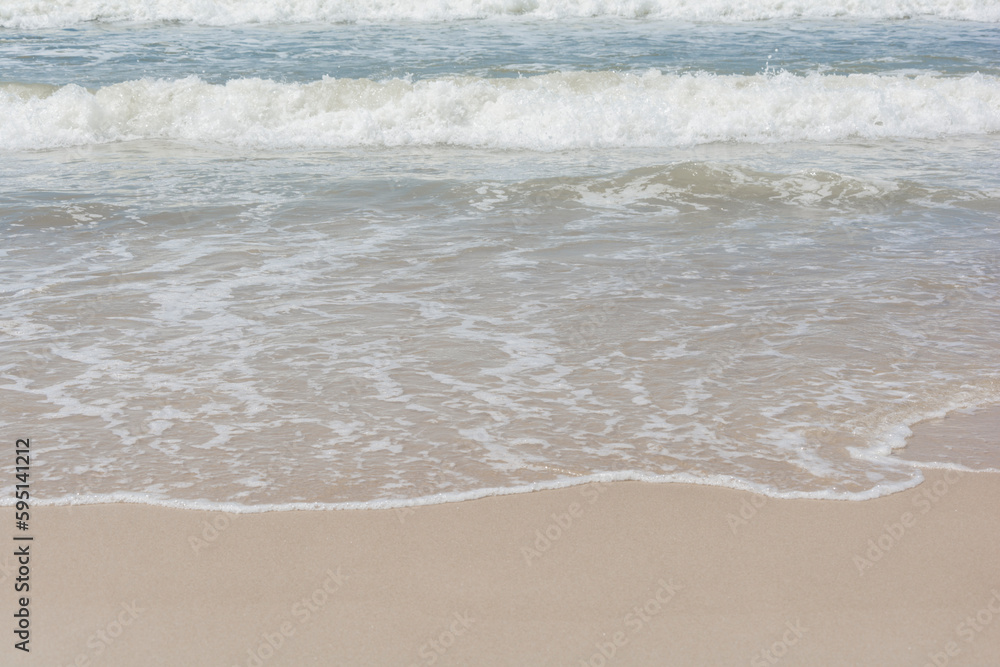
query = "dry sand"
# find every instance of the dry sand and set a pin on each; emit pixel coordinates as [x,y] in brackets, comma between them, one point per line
[618,574]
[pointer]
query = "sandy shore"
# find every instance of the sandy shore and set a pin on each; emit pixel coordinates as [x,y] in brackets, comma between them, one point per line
[625,574]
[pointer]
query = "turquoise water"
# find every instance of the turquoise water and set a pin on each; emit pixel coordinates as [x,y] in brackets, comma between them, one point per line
[336,256]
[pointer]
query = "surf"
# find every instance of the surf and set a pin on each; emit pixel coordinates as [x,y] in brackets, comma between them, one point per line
[30,14]
[550,112]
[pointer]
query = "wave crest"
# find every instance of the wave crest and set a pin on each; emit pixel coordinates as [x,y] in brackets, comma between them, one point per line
[548,112]
[28,14]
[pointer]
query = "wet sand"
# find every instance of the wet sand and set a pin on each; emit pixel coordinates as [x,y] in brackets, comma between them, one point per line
[624,573]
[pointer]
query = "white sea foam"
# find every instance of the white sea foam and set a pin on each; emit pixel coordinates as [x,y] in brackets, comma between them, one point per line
[50,13]
[323,361]
[547,112]
[724,481]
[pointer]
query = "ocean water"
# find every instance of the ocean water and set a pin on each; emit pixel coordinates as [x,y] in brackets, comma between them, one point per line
[316,254]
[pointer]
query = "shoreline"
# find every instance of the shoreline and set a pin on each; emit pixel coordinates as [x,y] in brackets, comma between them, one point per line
[927,440]
[606,573]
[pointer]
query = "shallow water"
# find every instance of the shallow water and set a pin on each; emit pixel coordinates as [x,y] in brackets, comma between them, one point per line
[357,264]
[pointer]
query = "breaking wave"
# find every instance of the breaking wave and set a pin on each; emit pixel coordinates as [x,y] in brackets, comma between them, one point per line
[54,13]
[549,112]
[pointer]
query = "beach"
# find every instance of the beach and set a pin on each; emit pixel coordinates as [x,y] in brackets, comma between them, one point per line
[492,332]
[623,573]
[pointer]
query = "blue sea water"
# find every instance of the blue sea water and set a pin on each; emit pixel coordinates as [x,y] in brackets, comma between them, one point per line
[346,254]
